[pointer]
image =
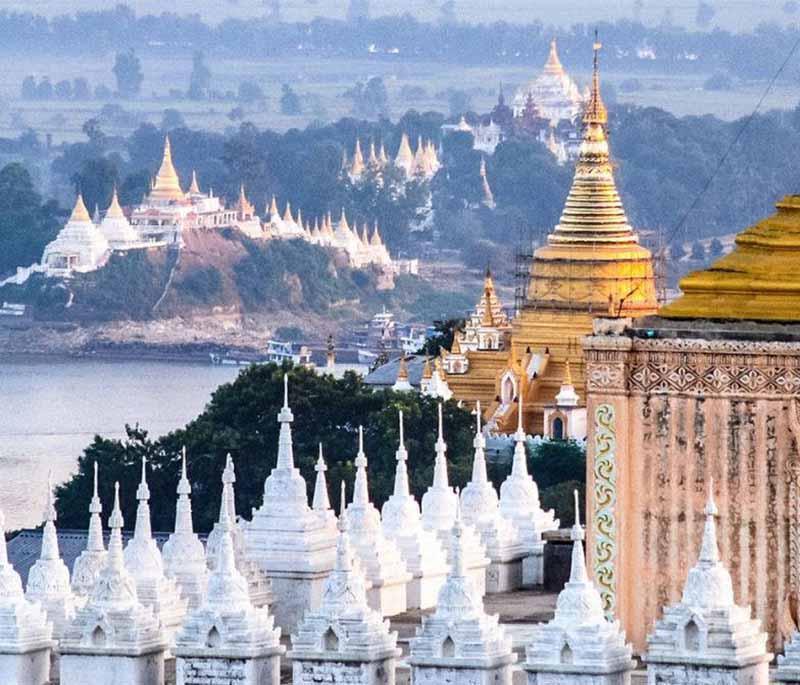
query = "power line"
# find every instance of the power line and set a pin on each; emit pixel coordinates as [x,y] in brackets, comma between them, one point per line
[682,223]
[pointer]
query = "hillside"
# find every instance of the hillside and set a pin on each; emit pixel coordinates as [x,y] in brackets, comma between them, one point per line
[224,275]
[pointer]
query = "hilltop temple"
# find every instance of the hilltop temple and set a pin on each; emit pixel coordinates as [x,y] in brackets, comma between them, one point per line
[592,265]
[85,244]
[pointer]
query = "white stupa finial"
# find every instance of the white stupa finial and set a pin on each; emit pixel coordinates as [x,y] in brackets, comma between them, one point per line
[143,491]
[578,572]
[440,479]
[709,550]
[115,523]
[361,489]
[184,486]
[479,474]
[401,488]
[285,418]
[321,500]
[94,542]
[519,467]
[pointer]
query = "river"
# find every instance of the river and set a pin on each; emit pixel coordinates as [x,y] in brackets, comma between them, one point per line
[50,410]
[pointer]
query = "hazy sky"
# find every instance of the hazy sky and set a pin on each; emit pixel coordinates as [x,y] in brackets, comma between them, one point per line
[731,14]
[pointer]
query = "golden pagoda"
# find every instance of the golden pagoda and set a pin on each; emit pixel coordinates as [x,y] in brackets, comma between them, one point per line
[759,280]
[592,265]
[167,185]
[79,211]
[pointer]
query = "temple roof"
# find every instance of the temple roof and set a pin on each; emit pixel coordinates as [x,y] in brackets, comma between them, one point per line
[79,211]
[759,280]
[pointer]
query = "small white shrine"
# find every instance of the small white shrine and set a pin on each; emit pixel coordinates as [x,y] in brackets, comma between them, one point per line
[421,549]
[519,503]
[380,557]
[226,641]
[459,643]
[145,564]
[48,579]
[183,553]
[26,636]
[321,504]
[344,640]
[565,420]
[481,507]
[707,637]
[286,538]
[439,505]
[114,638]
[88,564]
[579,646]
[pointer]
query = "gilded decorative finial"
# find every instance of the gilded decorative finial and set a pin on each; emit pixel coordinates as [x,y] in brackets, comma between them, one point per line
[596,112]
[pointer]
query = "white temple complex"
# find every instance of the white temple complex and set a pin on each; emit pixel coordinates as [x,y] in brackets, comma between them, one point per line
[379,557]
[79,246]
[421,163]
[286,537]
[421,549]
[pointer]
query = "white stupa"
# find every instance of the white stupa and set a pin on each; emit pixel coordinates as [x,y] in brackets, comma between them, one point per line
[286,538]
[321,504]
[344,640]
[519,503]
[25,633]
[379,556]
[258,583]
[439,505]
[116,228]
[88,564]
[183,553]
[48,579]
[78,247]
[425,558]
[481,508]
[144,562]
[707,637]
[459,642]
[114,638]
[579,646]
[226,639]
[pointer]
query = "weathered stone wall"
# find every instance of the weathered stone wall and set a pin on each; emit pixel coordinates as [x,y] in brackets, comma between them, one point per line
[665,417]
[344,673]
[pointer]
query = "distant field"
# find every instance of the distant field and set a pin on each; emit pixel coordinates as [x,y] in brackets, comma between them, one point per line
[323,82]
[731,14]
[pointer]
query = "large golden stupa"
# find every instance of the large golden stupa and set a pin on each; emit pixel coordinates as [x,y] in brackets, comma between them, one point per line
[592,265]
[758,281]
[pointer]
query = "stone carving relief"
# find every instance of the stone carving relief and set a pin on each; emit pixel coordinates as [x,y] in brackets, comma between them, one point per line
[605,501]
[691,675]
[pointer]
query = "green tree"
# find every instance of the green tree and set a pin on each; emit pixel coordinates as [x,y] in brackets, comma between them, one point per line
[200,79]
[63,90]
[290,102]
[172,119]
[370,99]
[698,251]
[80,89]
[250,92]
[29,88]
[715,248]
[26,226]
[96,180]
[128,72]
[444,332]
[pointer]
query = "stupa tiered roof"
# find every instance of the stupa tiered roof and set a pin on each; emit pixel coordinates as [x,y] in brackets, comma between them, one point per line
[421,549]
[321,502]
[579,644]
[79,246]
[144,562]
[87,566]
[379,556]
[116,228]
[183,554]
[166,186]
[48,579]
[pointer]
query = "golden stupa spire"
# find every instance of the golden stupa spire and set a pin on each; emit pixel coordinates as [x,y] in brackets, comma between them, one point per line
[427,373]
[596,112]
[402,370]
[553,64]
[567,374]
[79,211]
[167,185]
[114,211]
[273,209]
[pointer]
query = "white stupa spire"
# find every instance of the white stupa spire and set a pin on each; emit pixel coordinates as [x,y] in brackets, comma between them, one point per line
[183,553]
[91,560]
[285,418]
[321,500]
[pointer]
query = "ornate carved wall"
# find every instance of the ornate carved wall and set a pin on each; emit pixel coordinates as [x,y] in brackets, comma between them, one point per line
[674,413]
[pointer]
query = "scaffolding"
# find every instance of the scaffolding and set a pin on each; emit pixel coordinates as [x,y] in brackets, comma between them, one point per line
[522,267]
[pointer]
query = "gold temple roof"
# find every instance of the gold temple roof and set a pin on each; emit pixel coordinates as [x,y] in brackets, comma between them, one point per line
[79,211]
[553,64]
[167,185]
[593,259]
[114,211]
[759,280]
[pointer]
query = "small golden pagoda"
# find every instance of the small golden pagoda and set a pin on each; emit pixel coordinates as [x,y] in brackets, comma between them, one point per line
[167,185]
[592,265]
[758,281]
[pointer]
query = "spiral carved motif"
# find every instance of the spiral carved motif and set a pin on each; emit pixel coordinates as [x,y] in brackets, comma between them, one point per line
[605,501]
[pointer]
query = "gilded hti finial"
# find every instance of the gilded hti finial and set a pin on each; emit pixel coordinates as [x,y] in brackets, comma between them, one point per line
[596,112]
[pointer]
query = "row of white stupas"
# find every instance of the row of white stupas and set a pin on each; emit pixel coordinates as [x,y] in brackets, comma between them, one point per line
[422,163]
[85,243]
[362,248]
[125,611]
